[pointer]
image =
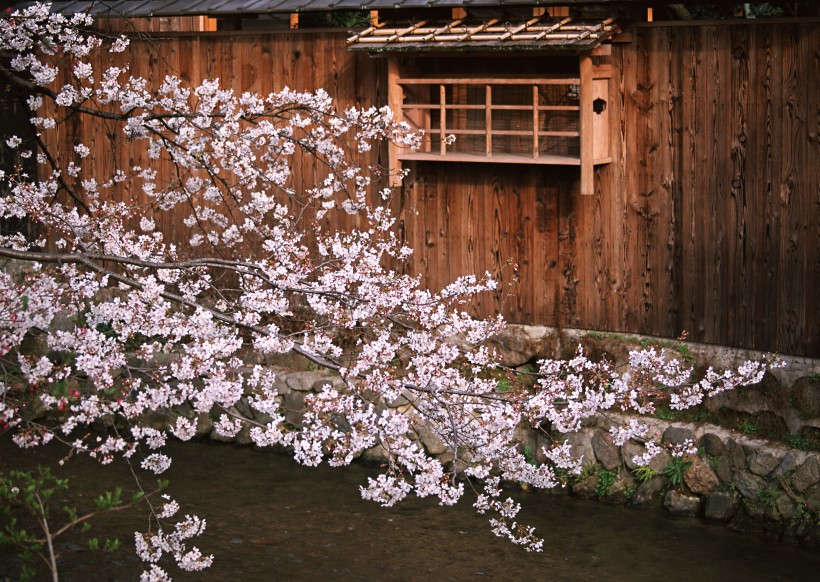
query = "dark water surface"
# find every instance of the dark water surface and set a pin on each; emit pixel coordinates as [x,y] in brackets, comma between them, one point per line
[270,519]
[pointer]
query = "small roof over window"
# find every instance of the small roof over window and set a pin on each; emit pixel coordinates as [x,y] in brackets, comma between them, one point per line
[537,33]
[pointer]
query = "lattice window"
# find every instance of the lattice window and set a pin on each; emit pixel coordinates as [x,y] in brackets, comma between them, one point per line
[508,120]
[552,120]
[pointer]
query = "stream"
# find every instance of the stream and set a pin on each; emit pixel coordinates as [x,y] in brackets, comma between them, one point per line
[270,519]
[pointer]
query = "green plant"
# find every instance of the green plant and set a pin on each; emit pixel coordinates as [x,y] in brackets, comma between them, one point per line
[666,413]
[801,512]
[675,469]
[643,473]
[26,499]
[630,491]
[748,427]
[605,481]
[768,495]
[529,455]
[797,441]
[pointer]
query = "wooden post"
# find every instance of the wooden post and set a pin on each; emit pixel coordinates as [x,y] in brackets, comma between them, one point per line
[395,99]
[374,18]
[488,118]
[535,121]
[294,20]
[586,129]
[442,94]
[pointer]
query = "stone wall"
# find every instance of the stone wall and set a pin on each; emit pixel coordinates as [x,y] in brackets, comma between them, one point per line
[738,479]
[747,483]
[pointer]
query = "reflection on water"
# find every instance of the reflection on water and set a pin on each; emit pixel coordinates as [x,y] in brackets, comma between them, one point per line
[269,519]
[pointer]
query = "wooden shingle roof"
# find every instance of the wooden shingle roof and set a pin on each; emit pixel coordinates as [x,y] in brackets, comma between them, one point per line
[537,33]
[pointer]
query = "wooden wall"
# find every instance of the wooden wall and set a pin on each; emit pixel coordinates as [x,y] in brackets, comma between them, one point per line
[708,220]
[256,62]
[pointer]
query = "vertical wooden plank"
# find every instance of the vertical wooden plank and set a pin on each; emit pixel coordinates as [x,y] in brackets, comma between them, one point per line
[739,300]
[586,127]
[535,121]
[494,231]
[620,226]
[791,286]
[766,159]
[395,99]
[567,236]
[442,96]
[810,57]
[690,318]
[600,121]
[488,118]
[662,196]
[548,232]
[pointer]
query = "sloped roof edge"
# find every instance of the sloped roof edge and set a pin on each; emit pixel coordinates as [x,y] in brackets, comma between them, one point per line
[538,33]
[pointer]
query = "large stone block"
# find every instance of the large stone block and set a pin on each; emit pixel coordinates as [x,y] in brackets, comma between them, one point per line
[304,381]
[712,445]
[762,463]
[806,395]
[721,506]
[649,494]
[679,504]
[605,450]
[677,435]
[748,485]
[806,475]
[700,478]
[581,446]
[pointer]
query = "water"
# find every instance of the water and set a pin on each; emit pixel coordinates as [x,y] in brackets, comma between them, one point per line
[269,519]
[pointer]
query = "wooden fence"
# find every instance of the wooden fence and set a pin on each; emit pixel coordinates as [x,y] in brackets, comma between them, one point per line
[707,221]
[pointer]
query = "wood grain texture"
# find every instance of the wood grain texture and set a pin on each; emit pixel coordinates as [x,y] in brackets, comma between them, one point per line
[706,221]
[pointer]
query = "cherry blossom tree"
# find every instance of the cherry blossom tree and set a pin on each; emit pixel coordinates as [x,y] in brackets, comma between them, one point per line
[154,325]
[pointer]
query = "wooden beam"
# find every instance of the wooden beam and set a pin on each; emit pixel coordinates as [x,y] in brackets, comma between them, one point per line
[587,151]
[605,50]
[459,13]
[294,20]
[374,17]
